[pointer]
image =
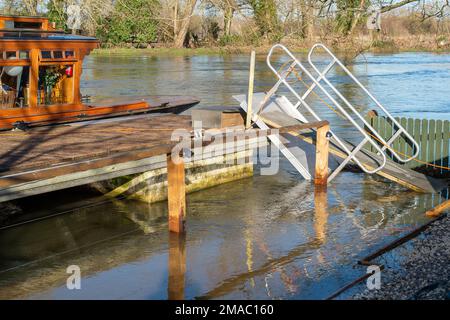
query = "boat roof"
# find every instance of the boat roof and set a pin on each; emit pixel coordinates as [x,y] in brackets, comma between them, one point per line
[18,35]
[18,16]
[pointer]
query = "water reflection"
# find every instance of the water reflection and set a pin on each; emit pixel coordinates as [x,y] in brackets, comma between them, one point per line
[321,213]
[266,237]
[177,265]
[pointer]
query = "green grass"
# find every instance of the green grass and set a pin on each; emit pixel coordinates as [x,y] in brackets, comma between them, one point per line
[382,47]
[186,51]
[159,51]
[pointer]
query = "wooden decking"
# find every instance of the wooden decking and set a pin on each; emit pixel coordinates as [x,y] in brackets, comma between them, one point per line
[30,160]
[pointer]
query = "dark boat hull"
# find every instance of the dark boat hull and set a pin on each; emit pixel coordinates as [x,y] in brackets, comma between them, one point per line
[107,108]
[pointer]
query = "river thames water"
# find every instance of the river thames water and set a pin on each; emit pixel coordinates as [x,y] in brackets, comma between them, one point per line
[265,237]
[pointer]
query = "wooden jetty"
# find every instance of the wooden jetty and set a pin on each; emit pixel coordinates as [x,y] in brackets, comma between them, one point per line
[51,158]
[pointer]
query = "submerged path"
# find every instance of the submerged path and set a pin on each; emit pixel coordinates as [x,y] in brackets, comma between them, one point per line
[424,273]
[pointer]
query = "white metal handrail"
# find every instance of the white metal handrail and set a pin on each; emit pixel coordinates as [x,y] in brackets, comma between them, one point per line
[398,132]
[351,153]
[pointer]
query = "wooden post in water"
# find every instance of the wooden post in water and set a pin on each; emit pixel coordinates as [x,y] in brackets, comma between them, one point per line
[322,150]
[251,81]
[176,195]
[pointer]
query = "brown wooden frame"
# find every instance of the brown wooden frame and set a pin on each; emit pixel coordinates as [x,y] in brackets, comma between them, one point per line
[80,49]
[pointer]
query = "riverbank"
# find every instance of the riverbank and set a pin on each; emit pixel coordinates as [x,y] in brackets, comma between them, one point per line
[355,46]
[424,272]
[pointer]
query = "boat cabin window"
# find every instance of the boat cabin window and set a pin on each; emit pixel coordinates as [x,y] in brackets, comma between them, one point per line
[57,54]
[55,84]
[6,55]
[14,86]
[46,54]
[9,24]
[27,25]
[55,78]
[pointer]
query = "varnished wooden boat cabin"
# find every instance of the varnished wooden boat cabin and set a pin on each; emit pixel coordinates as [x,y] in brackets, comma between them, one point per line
[40,78]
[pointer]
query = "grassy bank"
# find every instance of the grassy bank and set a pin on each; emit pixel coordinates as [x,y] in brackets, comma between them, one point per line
[353,46]
[379,48]
[187,51]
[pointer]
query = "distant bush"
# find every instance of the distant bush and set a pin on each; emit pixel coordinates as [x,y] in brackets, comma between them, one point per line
[131,22]
[384,45]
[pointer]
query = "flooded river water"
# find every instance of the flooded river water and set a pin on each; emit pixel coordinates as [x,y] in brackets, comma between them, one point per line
[266,237]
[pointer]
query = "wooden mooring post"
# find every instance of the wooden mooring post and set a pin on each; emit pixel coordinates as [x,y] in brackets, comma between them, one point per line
[322,152]
[176,194]
[251,81]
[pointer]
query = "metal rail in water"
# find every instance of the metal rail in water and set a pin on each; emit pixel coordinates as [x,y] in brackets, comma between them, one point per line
[395,124]
[316,82]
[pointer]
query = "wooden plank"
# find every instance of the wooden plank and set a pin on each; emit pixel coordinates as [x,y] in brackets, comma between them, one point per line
[64,169]
[77,71]
[439,144]
[76,111]
[322,150]
[251,81]
[417,138]
[409,150]
[397,142]
[42,147]
[382,130]
[436,211]
[34,78]
[446,146]
[431,141]
[389,133]
[176,194]
[231,119]
[424,140]
[78,178]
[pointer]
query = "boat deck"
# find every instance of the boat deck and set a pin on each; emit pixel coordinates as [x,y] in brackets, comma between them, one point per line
[99,108]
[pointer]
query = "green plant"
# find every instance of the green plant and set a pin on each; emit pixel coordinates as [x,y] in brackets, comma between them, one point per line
[131,22]
[56,13]
[51,77]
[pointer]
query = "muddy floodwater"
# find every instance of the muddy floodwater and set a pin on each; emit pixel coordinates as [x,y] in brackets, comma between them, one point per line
[265,237]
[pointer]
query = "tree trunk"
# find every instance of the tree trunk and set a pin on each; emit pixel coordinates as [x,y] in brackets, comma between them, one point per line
[357,17]
[180,36]
[227,19]
[307,30]
[31,6]
[175,19]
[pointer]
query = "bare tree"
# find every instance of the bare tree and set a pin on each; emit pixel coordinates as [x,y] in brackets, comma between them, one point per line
[228,8]
[185,10]
[307,18]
